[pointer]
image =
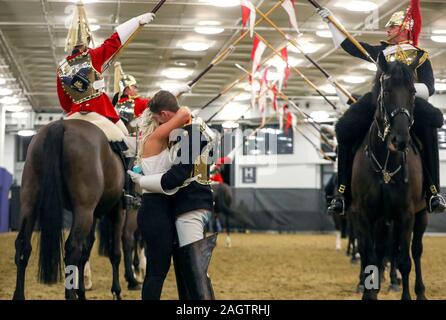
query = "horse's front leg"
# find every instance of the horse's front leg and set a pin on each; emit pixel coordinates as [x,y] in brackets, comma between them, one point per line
[393,256]
[404,234]
[417,250]
[368,259]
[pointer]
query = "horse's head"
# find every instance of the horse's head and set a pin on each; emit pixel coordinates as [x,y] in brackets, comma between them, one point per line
[396,101]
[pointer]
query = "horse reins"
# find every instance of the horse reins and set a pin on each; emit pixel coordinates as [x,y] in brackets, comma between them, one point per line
[379,168]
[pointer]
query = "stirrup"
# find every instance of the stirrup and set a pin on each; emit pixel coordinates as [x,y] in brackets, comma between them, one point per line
[132,201]
[440,207]
[337,206]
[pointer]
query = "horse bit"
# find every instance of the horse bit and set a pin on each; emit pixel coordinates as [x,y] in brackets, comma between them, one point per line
[387,175]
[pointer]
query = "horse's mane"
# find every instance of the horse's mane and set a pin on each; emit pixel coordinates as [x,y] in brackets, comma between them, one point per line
[400,74]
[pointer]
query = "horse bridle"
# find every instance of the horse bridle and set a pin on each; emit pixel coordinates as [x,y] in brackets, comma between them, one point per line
[387,118]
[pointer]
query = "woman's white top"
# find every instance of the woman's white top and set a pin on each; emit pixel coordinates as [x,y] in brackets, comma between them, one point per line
[157,164]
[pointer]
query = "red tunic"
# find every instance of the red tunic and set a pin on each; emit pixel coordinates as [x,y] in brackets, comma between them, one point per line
[101,104]
[141,104]
[217,178]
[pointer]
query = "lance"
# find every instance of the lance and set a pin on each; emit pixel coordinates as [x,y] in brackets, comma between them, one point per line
[225,53]
[224,91]
[235,96]
[341,28]
[319,150]
[308,81]
[133,35]
[233,84]
[298,47]
[288,100]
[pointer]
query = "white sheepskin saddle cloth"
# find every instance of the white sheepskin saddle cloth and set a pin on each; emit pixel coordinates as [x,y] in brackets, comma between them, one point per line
[111,131]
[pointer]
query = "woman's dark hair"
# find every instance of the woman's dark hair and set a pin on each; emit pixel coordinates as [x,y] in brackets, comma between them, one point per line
[163,101]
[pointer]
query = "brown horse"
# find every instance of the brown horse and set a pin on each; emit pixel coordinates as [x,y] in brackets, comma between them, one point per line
[387,181]
[70,164]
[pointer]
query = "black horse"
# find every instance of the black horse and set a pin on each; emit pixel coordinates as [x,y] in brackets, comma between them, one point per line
[387,181]
[222,196]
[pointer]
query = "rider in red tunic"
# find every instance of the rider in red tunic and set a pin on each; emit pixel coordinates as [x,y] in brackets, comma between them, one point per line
[80,84]
[127,100]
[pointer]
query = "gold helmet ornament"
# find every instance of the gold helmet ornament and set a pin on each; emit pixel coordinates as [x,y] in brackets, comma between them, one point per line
[410,20]
[122,80]
[398,20]
[79,32]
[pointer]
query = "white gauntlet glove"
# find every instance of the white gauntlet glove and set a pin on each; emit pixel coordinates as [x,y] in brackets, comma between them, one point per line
[146,18]
[136,177]
[183,88]
[324,13]
[338,36]
[126,29]
[422,91]
[151,183]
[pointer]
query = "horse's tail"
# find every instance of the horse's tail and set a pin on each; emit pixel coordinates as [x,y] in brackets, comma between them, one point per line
[50,206]
[104,236]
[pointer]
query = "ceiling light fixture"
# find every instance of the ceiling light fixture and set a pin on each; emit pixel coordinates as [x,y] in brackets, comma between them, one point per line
[222,3]
[320,116]
[19,115]
[5,92]
[230,125]
[195,46]
[177,73]
[168,85]
[14,108]
[355,79]
[209,27]
[209,30]
[9,100]
[324,34]
[328,88]
[358,6]
[439,39]
[26,133]
[306,46]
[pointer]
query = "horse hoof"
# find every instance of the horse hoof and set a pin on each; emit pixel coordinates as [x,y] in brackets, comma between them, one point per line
[406,296]
[360,288]
[88,286]
[394,288]
[421,297]
[18,296]
[134,286]
[354,261]
[117,296]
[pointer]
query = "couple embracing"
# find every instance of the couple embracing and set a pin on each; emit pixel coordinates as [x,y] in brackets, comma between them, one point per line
[177,198]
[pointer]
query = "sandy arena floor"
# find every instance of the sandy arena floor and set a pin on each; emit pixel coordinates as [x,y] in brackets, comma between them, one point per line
[257,266]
